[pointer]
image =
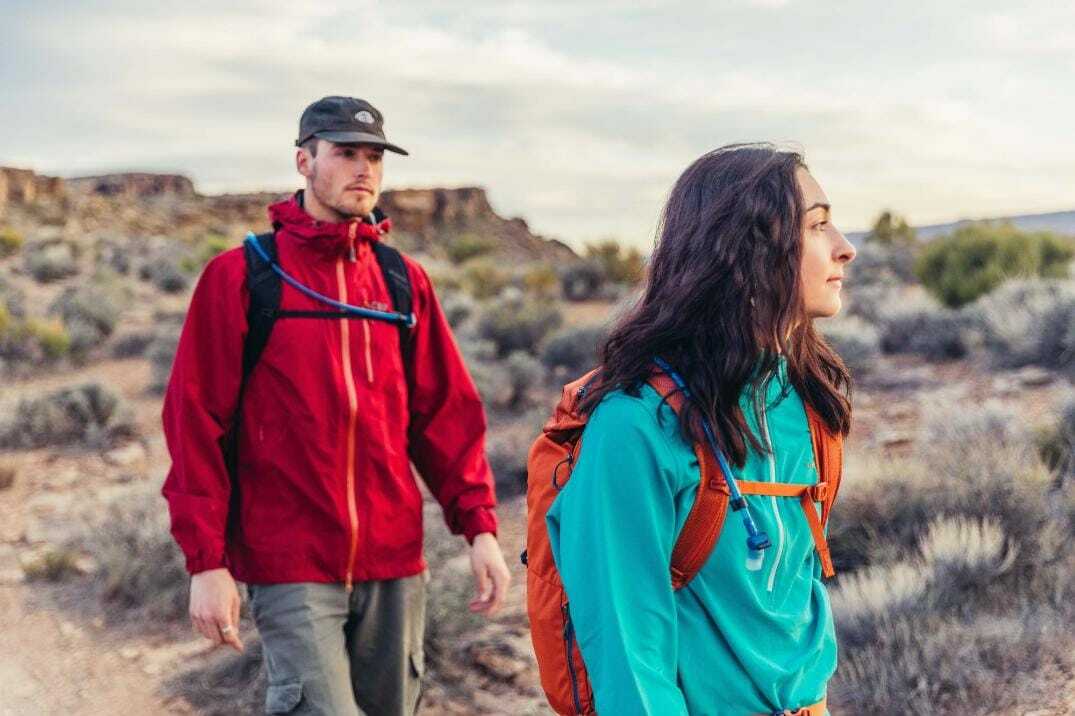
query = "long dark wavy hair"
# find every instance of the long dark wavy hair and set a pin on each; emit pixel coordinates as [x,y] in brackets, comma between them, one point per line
[723,299]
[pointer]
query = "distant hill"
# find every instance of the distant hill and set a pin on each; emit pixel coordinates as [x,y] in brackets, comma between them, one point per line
[1061,222]
[146,204]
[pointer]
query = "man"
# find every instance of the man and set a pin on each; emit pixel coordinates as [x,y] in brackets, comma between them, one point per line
[319,513]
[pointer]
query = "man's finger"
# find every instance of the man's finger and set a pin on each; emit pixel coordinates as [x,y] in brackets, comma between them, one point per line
[207,629]
[229,634]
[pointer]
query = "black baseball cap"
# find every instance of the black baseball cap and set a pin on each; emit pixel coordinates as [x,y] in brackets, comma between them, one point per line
[344,120]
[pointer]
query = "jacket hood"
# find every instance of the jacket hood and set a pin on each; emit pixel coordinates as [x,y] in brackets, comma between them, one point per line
[331,238]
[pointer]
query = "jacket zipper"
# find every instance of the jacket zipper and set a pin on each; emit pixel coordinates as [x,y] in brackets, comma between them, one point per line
[771,456]
[569,644]
[352,415]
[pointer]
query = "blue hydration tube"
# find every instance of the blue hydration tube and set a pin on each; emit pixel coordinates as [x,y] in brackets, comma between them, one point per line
[389,316]
[756,539]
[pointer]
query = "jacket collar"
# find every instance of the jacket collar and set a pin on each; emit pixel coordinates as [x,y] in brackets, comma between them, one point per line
[330,238]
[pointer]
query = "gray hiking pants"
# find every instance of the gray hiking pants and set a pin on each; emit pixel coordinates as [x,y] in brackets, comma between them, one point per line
[338,654]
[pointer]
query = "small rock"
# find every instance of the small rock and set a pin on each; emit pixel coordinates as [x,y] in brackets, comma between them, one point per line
[70,630]
[126,456]
[894,439]
[1033,377]
[130,652]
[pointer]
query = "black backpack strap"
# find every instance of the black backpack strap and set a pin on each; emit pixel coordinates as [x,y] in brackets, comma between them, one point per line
[399,288]
[265,288]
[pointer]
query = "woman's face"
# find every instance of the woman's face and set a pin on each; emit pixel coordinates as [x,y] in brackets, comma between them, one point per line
[825,252]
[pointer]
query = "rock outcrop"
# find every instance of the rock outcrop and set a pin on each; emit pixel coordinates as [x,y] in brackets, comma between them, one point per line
[26,187]
[135,185]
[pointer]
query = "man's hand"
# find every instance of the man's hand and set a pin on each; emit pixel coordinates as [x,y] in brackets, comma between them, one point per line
[491,575]
[214,607]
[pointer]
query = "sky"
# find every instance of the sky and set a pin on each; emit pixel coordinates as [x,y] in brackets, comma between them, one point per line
[577,116]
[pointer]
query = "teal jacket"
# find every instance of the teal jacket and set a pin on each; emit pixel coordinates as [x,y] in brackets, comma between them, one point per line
[732,642]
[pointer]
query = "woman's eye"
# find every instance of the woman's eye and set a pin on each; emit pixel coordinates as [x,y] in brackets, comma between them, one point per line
[820,225]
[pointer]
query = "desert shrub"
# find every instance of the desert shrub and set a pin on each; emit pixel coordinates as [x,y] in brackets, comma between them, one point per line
[870,302]
[493,382]
[156,584]
[226,684]
[883,265]
[525,373]
[89,314]
[508,445]
[55,564]
[977,258]
[573,350]
[922,328]
[581,280]
[166,274]
[11,242]
[1056,443]
[540,279]
[208,248]
[161,354]
[88,414]
[618,264]
[932,664]
[457,307]
[114,256]
[25,344]
[468,246]
[517,323]
[450,589]
[1028,323]
[856,342]
[12,299]
[133,344]
[483,278]
[50,260]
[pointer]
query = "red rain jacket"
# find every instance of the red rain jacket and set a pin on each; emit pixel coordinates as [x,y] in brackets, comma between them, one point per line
[331,421]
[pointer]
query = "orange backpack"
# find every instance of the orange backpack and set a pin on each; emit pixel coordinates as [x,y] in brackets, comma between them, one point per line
[552,456]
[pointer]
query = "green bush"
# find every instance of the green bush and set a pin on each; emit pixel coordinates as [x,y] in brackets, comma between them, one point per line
[581,280]
[51,337]
[618,264]
[541,280]
[207,249]
[977,258]
[891,230]
[11,242]
[468,246]
[518,324]
[483,278]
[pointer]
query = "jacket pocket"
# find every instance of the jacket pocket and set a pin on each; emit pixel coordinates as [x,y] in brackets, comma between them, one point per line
[282,698]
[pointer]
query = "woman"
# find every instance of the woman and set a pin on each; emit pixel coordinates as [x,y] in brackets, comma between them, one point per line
[747,257]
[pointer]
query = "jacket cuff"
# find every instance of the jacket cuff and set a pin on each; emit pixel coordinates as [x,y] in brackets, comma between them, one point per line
[204,561]
[478,521]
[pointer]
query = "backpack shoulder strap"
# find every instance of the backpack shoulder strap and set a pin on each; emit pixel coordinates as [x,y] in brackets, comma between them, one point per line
[265,288]
[398,281]
[702,528]
[829,455]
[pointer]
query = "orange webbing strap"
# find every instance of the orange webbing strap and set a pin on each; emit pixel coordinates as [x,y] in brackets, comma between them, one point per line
[808,495]
[703,524]
[829,456]
[817,709]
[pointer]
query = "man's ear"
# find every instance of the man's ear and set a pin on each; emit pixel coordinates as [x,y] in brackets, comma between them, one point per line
[304,162]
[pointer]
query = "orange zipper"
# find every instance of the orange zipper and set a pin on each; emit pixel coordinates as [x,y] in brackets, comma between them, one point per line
[352,401]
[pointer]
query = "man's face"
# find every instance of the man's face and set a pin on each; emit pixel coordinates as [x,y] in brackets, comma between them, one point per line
[344,178]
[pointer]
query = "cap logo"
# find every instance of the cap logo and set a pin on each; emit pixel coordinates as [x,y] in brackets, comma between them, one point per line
[364,117]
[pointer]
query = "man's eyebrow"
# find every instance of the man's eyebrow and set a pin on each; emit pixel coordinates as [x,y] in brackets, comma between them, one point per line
[819,205]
